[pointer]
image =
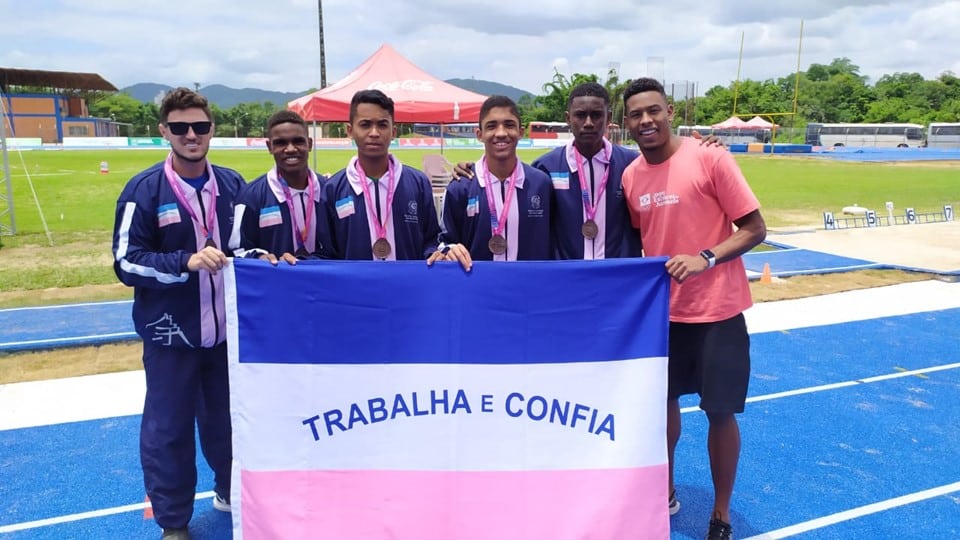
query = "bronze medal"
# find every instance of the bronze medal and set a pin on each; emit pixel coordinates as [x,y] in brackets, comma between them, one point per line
[381,248]
[497,244]
[210,243]
[301,254]
[589,229]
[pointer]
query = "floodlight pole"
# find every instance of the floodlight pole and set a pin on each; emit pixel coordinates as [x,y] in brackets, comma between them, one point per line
[736,85]
[796,84]
[323,52]
[7,208]
[323,72]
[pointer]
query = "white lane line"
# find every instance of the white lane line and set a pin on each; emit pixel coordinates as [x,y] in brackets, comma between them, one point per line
[844,384]
[850,306]
[855,513]
[795,529]
[72,339]
[65,307]
[59,520]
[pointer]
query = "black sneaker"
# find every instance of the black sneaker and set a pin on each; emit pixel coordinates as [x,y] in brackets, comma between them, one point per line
[719,530]
[176,534]
[673,504]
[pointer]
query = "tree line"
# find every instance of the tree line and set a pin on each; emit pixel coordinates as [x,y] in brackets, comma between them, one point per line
[835,92]
[241,120]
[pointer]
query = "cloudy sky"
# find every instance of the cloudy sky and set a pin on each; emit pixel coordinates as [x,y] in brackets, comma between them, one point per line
[274,44]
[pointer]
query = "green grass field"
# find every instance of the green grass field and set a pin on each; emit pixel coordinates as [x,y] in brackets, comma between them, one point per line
[76,198]
[79,203]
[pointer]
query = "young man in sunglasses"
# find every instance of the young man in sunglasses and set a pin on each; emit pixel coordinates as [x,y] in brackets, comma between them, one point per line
[172,221]
[281,215]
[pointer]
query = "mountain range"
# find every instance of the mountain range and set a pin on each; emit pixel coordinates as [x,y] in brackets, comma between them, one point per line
[226,97]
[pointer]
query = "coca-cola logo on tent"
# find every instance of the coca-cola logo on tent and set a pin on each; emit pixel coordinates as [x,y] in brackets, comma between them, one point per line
[409,85]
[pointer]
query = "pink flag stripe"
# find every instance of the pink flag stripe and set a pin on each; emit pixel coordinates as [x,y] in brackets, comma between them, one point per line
[627,503]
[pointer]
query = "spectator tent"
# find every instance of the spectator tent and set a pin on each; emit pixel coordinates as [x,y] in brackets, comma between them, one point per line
[418,96]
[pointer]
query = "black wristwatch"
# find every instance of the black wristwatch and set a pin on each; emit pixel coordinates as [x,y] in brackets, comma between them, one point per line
[710,257]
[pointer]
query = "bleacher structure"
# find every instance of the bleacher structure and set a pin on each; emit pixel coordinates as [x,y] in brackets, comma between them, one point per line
[869,218]
[45,106]
[440,172]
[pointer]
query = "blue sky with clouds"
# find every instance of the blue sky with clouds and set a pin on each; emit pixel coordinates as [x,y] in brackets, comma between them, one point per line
[274,45]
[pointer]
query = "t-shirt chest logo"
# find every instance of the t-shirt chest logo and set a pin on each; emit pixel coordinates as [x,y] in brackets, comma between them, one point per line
[658,199]
[645,202]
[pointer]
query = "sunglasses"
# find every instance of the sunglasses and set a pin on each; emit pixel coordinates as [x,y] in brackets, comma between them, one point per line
[181,128]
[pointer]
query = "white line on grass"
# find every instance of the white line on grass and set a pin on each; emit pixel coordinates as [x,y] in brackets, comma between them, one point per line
[834,386]
[855,513]
[59,520]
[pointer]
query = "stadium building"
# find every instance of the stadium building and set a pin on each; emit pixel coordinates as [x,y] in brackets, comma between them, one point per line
[51,105]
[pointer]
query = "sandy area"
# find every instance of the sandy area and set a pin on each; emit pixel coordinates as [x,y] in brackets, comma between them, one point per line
[929,246]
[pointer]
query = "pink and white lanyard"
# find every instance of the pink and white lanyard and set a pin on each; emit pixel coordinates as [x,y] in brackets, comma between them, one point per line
[300,235]
[174,180]
[588,206]
[380,225]
[497,224]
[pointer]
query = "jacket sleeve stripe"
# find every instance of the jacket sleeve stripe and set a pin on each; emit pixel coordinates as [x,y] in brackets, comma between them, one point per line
[123,244]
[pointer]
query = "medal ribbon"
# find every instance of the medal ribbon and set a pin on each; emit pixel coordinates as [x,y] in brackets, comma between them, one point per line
[588,207]
[497,224]
[300,235]
[174,180]
[381,228]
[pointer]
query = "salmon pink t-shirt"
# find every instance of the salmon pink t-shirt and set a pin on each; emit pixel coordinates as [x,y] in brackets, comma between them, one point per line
[687,204]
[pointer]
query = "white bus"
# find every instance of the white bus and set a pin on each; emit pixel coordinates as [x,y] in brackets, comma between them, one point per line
[943,135]
[873,135]
[728,135]
[549,130]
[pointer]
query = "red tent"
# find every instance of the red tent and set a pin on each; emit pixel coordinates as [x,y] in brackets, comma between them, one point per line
[417,95]
[731,123]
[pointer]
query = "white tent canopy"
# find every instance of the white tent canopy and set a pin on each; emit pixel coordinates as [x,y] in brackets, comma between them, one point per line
[758,122]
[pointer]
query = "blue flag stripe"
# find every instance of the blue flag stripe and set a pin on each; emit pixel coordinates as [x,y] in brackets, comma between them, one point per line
[353,312]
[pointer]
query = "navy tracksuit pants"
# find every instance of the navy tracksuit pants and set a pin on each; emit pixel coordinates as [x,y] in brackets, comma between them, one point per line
[185,387]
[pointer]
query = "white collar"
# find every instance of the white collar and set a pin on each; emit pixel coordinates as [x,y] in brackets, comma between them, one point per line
[482,172]
[276,186]
[354,177]
[600,156]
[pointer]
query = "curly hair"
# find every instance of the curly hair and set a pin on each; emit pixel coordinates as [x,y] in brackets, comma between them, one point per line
[180,99]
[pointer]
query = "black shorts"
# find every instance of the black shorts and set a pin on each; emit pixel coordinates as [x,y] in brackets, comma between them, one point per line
[712,360]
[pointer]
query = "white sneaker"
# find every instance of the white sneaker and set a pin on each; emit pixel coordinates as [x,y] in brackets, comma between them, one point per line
[221,504]
[674,503]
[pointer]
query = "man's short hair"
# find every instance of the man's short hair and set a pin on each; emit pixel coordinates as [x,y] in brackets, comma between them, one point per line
[374,97]
[285,116]
[180,99]
[498,101]
[643,84]
[589,89]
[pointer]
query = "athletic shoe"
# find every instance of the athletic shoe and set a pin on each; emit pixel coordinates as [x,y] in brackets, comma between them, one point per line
[719,530]
[176,534]
[221,504]
[673,504]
